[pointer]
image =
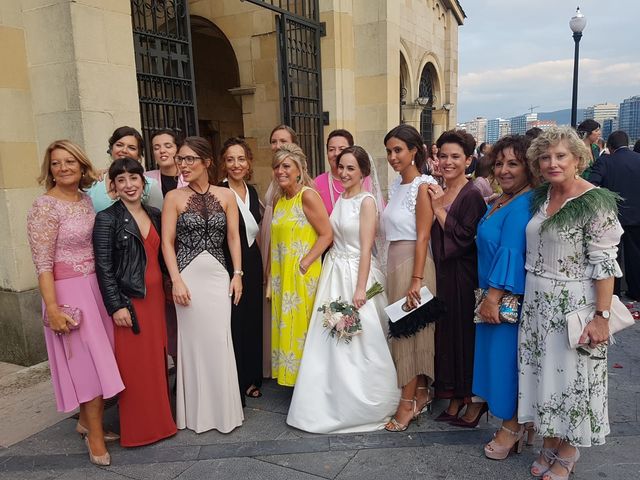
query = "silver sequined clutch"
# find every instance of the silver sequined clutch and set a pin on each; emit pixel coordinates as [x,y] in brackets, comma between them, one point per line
[507,311]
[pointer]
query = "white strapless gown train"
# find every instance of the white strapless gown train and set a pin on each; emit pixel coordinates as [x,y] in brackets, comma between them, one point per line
[343,387]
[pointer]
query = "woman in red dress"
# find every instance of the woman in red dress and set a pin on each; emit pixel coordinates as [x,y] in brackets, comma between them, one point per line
[126,240]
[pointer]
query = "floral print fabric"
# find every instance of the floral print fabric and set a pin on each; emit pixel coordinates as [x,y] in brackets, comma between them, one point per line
[563,392]
[292,293]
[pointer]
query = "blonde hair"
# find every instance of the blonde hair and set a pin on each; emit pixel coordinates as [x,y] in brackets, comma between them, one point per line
[296,155]
[89,174]
[552,137]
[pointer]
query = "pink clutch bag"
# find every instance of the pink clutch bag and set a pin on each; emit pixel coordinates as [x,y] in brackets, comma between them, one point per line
[74,312]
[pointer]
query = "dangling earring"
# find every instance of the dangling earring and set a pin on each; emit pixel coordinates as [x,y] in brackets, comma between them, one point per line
[413,162]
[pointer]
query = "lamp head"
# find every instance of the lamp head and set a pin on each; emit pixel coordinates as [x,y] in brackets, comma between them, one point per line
[578,22]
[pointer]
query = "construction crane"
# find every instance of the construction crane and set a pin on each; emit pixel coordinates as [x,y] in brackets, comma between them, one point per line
[533,107]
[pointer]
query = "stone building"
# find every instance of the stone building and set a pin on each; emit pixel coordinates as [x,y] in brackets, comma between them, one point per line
[78,69]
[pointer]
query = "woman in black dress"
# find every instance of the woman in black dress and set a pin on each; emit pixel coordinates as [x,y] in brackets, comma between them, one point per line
[246,317]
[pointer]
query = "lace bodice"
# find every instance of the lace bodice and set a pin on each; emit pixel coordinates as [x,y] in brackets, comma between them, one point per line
[59,233]
[202,226]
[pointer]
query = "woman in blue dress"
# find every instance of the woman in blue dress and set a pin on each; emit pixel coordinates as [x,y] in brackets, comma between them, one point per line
[501,257]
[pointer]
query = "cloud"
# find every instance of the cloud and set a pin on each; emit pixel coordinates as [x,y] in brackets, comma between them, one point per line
[509,91]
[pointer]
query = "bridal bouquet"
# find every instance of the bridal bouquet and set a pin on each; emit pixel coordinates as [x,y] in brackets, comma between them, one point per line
[342,319]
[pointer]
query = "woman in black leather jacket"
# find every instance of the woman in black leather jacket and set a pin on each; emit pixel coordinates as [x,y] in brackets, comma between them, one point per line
[126,241]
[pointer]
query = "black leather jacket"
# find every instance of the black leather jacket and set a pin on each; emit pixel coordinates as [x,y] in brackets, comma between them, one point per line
[120,256]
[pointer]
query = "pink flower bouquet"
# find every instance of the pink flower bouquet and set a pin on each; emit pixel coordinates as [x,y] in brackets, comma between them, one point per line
[342,319]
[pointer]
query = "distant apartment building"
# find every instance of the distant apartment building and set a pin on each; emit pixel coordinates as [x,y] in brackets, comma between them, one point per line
[601,112]
[476,127]
[542,124]
[629,119]
[497,128]
[519,124]
[609,125]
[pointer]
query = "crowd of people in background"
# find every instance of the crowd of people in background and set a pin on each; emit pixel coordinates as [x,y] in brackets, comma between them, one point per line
[186,262]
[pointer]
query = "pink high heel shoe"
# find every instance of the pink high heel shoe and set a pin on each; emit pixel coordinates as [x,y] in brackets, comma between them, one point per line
[495,451]
[569,464]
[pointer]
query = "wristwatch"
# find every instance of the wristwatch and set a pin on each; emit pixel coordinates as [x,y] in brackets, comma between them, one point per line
[603,313]
[241,273]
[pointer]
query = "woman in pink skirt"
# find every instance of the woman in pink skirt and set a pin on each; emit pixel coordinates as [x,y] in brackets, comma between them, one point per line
[78,331]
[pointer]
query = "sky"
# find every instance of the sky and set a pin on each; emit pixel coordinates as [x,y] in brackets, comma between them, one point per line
[515,54]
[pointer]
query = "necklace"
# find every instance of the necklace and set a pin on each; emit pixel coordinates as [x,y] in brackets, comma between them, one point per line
[510,196]
[332,189]
[200,193]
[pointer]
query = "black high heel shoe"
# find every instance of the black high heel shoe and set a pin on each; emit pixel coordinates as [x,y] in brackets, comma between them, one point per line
[461,422]
[447,417]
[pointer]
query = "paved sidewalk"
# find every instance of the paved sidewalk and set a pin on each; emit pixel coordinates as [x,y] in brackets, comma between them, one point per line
[266,448]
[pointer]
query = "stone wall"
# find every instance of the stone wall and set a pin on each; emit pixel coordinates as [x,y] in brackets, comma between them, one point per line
[68,72]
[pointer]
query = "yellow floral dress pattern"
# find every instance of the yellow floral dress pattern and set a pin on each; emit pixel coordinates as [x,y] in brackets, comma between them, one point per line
[292,294]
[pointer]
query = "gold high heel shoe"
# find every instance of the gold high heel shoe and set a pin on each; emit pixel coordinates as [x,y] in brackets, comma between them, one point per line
[394,426]
[427,406]
[108,436]
[101,460]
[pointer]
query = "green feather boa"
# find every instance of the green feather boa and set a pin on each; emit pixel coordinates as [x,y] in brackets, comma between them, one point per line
[580,210]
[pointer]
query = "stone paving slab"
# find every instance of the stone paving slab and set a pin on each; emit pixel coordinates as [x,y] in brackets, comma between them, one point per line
[265,447]
[27,405]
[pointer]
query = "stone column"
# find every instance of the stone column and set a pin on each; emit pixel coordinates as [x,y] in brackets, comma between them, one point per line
[68,72]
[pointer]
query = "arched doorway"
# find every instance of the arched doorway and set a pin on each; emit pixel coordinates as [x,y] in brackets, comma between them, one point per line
[216,73]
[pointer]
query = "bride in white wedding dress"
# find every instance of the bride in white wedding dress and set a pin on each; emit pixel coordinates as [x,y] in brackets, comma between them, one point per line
[348,387]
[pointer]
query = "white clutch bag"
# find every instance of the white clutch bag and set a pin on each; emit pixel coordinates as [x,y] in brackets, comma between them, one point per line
[577,320]
[400,309]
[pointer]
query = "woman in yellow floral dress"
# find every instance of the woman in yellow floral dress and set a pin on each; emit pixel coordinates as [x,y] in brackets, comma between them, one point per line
[300,232]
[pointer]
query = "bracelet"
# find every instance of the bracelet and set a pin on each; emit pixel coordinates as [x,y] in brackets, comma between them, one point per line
[416,276]
[238,272]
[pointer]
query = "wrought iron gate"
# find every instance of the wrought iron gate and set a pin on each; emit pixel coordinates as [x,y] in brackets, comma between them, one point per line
[299,32]
[164,68]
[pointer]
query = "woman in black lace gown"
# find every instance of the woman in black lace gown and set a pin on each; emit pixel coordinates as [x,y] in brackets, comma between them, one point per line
[197,219]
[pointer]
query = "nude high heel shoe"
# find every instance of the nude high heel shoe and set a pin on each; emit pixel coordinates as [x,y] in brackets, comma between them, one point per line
[101,460]
[539,469]
[108,436]
[569,464]
[495,451]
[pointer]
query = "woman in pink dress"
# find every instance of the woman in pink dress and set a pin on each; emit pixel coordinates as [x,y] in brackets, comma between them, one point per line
[328,184]
[82,362]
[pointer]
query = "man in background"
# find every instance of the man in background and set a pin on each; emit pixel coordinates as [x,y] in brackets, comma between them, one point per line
[619,171]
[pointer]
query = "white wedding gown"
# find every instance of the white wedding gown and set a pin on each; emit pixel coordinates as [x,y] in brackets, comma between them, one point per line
[344,387]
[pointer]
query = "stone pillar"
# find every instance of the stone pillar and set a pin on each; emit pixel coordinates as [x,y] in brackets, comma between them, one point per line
[68,72]
[338,67]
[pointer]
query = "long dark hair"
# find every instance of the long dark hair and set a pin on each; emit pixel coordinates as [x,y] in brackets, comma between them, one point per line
[413,139]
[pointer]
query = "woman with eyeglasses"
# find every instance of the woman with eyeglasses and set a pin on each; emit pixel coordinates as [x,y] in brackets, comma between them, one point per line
[197,220]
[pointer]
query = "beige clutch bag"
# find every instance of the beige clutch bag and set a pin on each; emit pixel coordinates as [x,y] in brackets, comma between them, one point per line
[577,320]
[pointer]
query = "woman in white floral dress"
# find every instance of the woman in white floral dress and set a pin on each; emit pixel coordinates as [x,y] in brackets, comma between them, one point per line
[570,263]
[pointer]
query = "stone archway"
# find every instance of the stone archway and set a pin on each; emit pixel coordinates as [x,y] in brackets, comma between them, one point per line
[216,75]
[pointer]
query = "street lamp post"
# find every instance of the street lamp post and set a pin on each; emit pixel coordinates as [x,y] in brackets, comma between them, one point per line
[577,24]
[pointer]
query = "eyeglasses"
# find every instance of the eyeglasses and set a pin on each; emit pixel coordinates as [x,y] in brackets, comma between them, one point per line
[189,160]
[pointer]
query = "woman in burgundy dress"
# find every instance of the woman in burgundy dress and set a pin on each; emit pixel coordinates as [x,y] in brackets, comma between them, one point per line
[458,208]
[126,241]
